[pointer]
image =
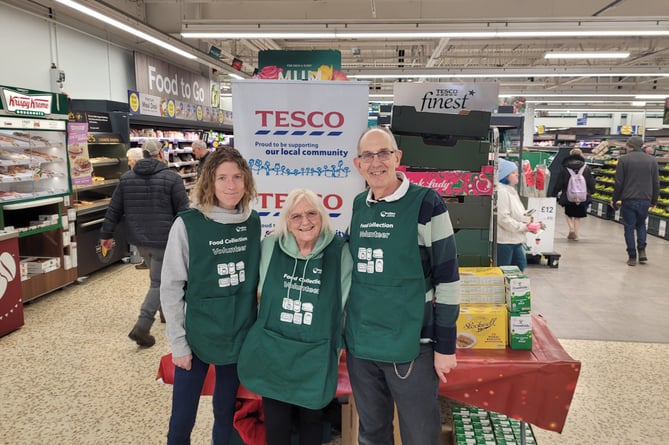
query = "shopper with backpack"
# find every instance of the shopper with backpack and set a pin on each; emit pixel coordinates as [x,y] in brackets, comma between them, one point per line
[573,187]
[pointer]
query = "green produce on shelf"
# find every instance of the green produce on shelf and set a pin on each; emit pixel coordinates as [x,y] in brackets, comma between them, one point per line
[660,211]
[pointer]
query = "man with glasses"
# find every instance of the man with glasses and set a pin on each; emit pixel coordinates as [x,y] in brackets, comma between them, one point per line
[404,301]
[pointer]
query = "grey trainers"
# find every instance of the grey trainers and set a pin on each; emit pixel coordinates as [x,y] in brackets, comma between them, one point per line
[142,337]
[642,256]
[631,261]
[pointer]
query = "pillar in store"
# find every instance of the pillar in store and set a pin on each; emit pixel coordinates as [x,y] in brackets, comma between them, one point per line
[528,129]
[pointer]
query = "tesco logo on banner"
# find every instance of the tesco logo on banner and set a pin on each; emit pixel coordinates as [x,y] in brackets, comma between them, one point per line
[295,122]
[331,202]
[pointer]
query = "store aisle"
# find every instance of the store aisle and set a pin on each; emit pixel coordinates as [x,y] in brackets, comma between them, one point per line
[71,375]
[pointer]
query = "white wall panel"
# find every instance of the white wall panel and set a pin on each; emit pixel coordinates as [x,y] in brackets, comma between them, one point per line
[93,68]
[26,57]
[87,64]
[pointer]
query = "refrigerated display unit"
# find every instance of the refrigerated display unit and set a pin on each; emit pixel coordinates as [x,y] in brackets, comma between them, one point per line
[35,187]
[106,143]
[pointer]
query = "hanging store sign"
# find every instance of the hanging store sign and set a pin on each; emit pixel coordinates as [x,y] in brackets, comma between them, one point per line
[300,65]
[447,98]
[630,130]
[158,78]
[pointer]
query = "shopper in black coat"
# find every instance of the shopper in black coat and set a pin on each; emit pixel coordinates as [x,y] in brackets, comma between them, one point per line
[574,212]
[148,198]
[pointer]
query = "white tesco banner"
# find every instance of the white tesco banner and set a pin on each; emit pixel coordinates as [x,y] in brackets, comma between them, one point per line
[298,134]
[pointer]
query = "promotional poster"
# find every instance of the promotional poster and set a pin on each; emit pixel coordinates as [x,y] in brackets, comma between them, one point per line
[299,134]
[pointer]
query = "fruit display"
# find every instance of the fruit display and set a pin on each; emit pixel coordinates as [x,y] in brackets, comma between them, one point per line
[660,211]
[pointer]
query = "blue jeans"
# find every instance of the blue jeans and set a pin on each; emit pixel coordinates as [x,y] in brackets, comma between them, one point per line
[376,385]
[511,255]
[186,397]
[633,213]
[153,257]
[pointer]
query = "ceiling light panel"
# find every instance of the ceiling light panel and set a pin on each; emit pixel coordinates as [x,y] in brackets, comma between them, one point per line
[587,55]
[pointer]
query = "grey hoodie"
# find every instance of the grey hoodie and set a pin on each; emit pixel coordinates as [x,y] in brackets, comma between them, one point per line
[174,276]
[289,246]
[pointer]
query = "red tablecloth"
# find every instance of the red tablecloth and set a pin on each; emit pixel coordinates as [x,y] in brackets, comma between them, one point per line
[534,386]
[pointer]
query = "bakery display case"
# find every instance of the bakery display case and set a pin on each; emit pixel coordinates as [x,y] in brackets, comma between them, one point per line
[35,187]
[104,142]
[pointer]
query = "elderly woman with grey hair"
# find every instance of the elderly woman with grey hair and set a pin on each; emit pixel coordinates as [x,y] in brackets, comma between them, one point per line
[291,354]
[134,155]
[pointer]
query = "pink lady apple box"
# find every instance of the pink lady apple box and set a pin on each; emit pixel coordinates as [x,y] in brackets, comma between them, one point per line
[454,182]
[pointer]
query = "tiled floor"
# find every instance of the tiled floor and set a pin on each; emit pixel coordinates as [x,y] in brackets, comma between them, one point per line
[71,376]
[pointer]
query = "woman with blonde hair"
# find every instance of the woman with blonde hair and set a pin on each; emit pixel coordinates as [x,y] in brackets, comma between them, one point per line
[208,291]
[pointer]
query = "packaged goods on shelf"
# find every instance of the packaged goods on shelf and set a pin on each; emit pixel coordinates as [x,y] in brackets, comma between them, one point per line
[509,269]
[36,265]
[481,275]
[518,295]
[482,326]
[520,331]
[477,426]
[482,294]
[481,285]
[51,219]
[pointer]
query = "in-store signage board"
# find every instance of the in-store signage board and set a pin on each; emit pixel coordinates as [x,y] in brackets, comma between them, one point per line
[300,65]
[159,78]
[298,134]
[545,210]
[447,98]
[24,102]
[98,122]
[164,90]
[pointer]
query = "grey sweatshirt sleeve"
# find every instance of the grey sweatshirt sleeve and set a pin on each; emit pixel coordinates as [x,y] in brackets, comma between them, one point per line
[173,280]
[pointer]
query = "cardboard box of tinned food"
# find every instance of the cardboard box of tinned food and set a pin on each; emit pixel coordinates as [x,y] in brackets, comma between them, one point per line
[481,275]
[482,326]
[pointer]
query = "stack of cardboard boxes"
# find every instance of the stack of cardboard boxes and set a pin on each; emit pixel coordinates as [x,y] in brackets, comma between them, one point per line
[518,301]
[482,323]
[494,308]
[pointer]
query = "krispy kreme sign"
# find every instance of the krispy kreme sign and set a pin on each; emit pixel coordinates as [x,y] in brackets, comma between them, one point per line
[26,104]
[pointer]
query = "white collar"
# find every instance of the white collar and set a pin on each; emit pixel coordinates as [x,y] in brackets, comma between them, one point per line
[396,195]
